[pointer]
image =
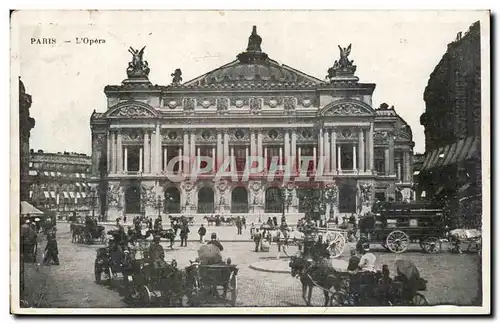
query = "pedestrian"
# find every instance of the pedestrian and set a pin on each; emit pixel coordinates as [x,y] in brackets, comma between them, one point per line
[124,219]
[257,238]
[202,231]
[171,237]
[238,225]
[184,235]
[275,221]
[353,261]
[51,251]
[244,221]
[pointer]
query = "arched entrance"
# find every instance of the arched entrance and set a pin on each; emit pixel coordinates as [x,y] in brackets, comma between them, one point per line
[206,200]
[133,200]
[172,201]
[274,202]
[239,200]
[347,197]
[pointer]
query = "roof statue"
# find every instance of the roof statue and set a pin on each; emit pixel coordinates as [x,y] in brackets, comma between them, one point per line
[343,66]
[137,68]
[254,41]
[254,52]
[176,77]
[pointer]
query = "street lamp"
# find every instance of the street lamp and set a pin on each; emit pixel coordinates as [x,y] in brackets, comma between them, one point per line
[93,197]
[159,205]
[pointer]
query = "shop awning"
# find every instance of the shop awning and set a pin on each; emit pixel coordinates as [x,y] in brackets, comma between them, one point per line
[84,195]
[53,194]
[31,194]
[78,195]
[32,173]
[28,209]
[77,175]
[83,175]
[45,173]
[66,195]
[53,173]
[59,174]
[72,194]
[453,153]
[46,194]
[77,184]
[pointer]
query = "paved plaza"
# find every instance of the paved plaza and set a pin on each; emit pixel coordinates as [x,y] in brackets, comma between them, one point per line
[451,277]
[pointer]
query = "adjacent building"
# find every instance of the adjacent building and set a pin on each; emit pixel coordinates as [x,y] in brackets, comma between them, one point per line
[60,182]
[252,107]
[452,168]
[26,123]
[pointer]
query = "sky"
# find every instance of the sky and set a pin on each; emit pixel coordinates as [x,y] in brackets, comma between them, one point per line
[396,50]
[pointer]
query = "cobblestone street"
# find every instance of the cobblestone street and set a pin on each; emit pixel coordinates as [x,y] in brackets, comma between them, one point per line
[451,277]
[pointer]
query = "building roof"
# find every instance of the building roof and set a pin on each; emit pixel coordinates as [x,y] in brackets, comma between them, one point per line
[252,68]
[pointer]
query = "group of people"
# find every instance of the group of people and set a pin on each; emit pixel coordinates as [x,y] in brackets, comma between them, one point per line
[29,241]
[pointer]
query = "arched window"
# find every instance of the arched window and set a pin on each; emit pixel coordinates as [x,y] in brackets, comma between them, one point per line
[274,202]
[206,200]
[239,200]
[172,201]
[133,200]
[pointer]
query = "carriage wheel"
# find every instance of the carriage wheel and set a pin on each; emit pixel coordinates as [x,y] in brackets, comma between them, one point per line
[337,245]
[419,300]
[431,245]
[233,288]
[397,241]
[145,295]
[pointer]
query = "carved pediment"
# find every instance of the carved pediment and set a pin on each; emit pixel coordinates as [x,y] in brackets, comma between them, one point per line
[346,108]
[131,109]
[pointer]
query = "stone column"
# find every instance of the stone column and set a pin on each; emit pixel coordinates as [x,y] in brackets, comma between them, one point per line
[152,152]
[280,157]
[333,149]
[326,156]
[391,154]
[147,158]
[198,158]
[370,149]
[226,145]
[220,151]
[108,151]
[299,158]
[120,152]
[140,159]
[126,159]
[214,170]
[260,148]
[339,154]
[354,159]
[158,149]
[252,143]
[314,158]
[246,158]
[361,149]
[399,172]
[113,151]
[387,161]
[287,146]
[192,150]
[185,146]
[165,157]
[265,158]
[320,152]
[181,164]
[293,153]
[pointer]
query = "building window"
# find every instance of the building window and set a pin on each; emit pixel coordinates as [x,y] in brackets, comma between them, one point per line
[306,151]
[347,156]
[240,158]
[133,158]
[206,151]
[172,152]
[380,196]
[379,160]
[273,152]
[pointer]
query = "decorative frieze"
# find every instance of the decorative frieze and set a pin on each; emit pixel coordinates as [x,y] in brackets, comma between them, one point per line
[148,195]
[132,135]
[347,134]
[240,102]
[222,104]
[205,102]
[289,103]
[255,105]
[188,104]
[273,102]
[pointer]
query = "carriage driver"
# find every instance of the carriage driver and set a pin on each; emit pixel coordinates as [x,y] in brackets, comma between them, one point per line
[156,252]
[367,261]
[214,241]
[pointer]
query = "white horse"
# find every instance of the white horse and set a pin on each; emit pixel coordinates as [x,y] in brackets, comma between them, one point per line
[467,236]
[284,238]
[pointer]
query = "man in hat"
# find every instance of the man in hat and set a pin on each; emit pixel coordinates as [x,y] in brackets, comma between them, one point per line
[156,252]
[202,231]
[353,261]
[257,237]
[214,241]
[51,250]
[184,235]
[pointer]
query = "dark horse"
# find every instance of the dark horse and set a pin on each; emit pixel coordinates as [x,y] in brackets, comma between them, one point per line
[313,274]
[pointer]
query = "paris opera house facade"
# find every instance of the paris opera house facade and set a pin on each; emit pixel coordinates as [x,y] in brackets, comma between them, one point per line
[274,131]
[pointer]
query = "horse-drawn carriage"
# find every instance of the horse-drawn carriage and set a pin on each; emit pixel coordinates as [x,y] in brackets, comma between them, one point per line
[87,233]
[182,220]
[395,226]
[360,288]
